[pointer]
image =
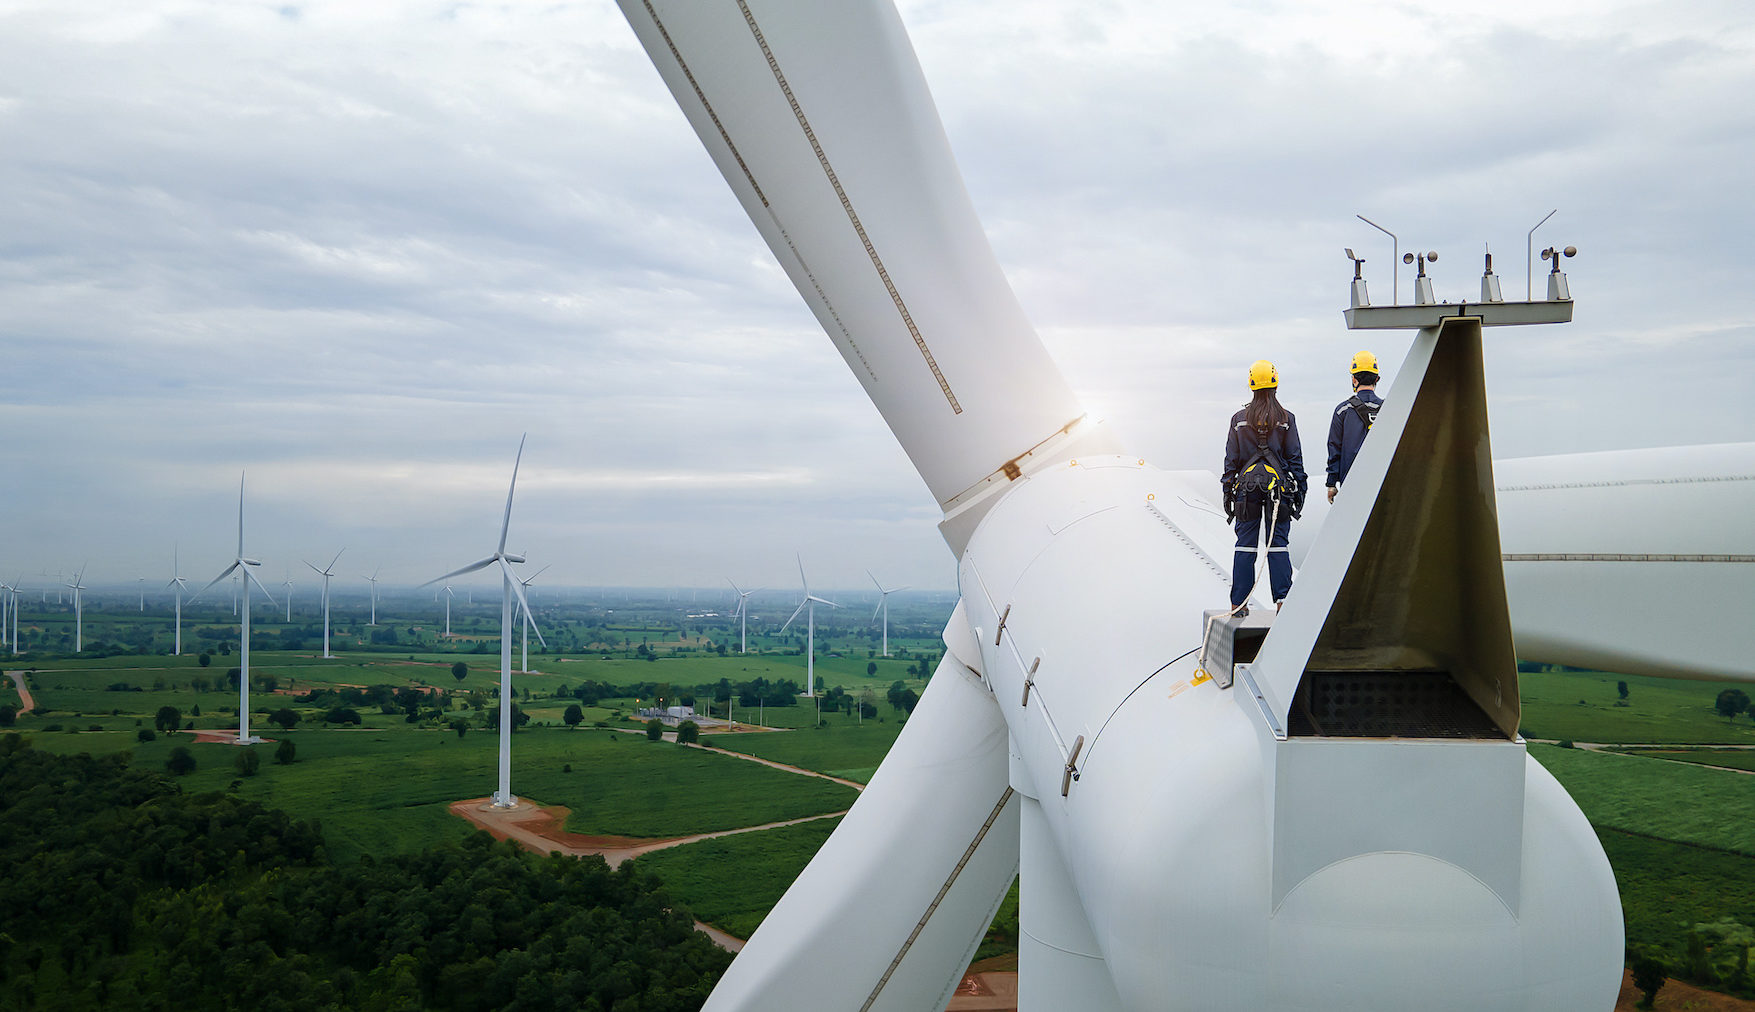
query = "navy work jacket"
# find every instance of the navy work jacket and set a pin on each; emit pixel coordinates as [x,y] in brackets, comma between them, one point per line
[1346,433]
[1240,445]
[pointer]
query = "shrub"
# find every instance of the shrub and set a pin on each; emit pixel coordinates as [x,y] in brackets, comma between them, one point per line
[181,762]
[144,734]
[460,671]
[1648,976]
[654,729]
[688,731]
[205,659]
[285,717]
[285,751]
[247,762]
[342,715]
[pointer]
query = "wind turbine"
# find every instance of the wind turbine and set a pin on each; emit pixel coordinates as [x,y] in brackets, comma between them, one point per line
[510,590]
[809,607]
[1092,730]
[326,573]
[288,584]
[242,565]
[448,596]
[742,615]
[524,664]
[181,585]
[884,606]
[78,588]
[373,580]
[8,600]
[142,582]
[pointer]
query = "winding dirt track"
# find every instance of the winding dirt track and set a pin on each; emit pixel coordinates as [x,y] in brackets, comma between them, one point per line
[539,828]
[24,696]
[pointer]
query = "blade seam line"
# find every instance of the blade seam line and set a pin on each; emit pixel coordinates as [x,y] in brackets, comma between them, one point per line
[852,215]
[725,136]
[943,890]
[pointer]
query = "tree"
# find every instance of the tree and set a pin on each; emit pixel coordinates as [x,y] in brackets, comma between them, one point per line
[342,715]
[1731,702]
[285,717]
[1621,687]
[573,715]
[8,716]
[144,735]
[909,699]
[871,667]
[688,732]
[168,718]
[654,729]
[180,762]
[1648,976]
[204,660]
[460,671]
[285,751]
[460,725]
[247,762]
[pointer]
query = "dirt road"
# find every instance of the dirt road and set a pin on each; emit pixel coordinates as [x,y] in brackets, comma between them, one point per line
[24,696]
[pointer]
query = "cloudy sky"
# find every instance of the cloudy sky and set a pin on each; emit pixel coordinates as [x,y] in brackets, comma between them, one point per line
[360,249]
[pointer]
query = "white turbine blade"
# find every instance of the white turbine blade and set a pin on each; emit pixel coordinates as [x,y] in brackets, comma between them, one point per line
[221,576]
[506,524]
[875,583]
[795,612]
[472,567]
[883,243]
[313,569]
[252,578]
[901,892]
[801,576]
[240,514]
[333,561]
[819,600]
[518,589]
[734,589]
[533,576]
[880,606]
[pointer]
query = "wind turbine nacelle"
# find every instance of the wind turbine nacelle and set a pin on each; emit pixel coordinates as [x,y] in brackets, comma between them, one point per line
[515,558]
[250,562]
[1216,862]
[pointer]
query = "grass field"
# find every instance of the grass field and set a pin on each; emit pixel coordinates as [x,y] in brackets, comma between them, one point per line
[852,753]
[386,789]
[1667,888]
[1580,706]
[1736,759]
[1673,801]
[732,882]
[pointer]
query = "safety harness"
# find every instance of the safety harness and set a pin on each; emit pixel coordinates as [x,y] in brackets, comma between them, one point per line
[1366,410]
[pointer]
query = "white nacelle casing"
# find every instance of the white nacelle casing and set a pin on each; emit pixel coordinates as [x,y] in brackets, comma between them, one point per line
[1458,871]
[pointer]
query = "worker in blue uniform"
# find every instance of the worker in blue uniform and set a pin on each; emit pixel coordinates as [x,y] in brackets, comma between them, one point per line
[1263,485]
[1351,420]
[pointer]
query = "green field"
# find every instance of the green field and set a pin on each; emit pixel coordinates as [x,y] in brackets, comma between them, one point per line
[852,753]
[1672,801]
[733,881]
[1581,706]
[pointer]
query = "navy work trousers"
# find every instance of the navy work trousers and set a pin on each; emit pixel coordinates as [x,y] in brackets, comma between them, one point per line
[1253,510]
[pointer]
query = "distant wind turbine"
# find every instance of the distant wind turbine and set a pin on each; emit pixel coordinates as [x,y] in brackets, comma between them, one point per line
[242,565]
[326,573]
[373,580]
[510,586]
[8,601]
[288,584]
[182,585]
[524,666]
[78,588]
[742,614]
[884,606]
[809,606]
[142,581]
[448,595]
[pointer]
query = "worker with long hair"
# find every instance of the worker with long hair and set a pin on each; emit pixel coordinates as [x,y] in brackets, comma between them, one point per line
[1263,485]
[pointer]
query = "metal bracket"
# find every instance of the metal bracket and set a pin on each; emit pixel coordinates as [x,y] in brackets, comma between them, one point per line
[1246,673]
[1030,679]
[1071,772]
[997,633]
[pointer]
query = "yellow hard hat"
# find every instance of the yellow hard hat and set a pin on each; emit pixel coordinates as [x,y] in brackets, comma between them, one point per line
[1263,375]
[1364,362]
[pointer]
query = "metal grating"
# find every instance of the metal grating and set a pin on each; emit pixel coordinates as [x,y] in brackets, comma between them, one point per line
[1387,704]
